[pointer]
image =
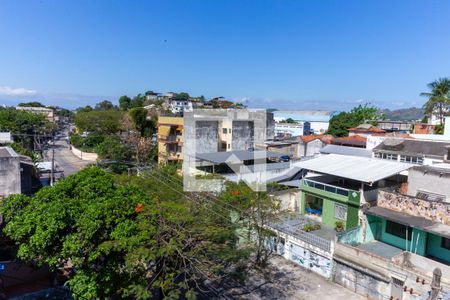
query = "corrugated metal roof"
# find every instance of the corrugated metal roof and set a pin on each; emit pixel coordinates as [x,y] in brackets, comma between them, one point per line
[305,116]
[241,155]
[354,167]
[345,150]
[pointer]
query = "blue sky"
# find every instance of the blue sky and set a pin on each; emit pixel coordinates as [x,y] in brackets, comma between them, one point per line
[285,54]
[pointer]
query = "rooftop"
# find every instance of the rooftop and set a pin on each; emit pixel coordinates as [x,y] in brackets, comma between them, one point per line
[353,167]
[7,152]
[354,140]
[409,220]
[345,150]
[236,156]
[326,138]
[414,147]
[380,249]
[367,128]
[304,115]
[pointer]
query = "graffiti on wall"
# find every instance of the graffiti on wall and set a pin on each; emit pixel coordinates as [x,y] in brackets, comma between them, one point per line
[310,260]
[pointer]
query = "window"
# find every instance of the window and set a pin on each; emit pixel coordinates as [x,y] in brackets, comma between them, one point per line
[445,243]
[390,156]
[224,131]
[229,146]
[398,230]
[229,130]
[411,159]
[340,211]
[424,195]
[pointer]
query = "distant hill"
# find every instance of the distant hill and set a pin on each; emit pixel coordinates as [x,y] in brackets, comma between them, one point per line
[406,114]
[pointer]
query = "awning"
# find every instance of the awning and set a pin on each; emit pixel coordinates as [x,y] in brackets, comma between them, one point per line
[408,220]
[353,167]
[163,130]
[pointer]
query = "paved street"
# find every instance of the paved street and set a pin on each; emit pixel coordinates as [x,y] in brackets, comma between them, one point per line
[290,281]
[65,158]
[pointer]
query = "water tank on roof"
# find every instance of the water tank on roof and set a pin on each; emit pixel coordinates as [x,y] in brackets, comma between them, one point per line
[306,128]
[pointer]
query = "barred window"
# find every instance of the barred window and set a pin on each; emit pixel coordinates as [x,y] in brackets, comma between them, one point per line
[340,211]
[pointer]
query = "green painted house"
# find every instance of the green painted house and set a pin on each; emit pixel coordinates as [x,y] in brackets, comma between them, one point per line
[336,187]
[414,224]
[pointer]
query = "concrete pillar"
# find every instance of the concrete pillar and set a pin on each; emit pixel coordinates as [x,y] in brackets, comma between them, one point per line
[447,126]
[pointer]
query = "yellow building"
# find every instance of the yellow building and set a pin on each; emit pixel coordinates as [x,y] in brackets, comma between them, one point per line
[170,139]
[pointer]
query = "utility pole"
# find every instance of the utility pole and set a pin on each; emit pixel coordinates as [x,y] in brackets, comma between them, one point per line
[52,172]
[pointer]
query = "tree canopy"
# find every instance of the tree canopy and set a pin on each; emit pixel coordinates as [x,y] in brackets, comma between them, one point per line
[31,104]
[139,118]
[124,102]
[98,121]
[23,126]
[438,98]
[341,123]
[120,240]
[105,105]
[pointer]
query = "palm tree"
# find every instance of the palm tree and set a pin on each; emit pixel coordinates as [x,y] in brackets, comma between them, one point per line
[438,97]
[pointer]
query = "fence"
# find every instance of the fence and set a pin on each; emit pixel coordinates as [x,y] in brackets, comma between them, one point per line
[326,187]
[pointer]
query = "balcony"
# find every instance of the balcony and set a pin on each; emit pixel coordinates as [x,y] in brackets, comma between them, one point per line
[331,191]
[173,139]
[293,225]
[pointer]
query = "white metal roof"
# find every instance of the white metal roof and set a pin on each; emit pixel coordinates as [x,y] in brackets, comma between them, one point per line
[354,167]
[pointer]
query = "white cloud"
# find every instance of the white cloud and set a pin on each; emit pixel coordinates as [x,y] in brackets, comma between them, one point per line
[9,91]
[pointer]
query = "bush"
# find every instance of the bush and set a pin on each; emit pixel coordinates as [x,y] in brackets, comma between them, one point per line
[88,143]
[112,148]
[339,225]
[311,227]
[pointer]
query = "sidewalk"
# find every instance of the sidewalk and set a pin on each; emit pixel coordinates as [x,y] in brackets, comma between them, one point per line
[290,281]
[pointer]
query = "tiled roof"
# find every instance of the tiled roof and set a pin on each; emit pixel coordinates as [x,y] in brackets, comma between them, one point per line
[367,128]
[356,140]
[326,138]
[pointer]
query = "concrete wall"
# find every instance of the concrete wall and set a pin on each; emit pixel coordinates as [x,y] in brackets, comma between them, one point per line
[360,282]
[431,210]
[430,181]
[206,136]
[310,149]
[288,199]
[10,179]
[243,135]
[307,255]
[84,155]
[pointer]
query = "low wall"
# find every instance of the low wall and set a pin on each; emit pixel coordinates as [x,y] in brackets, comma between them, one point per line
[435,211]
[84,155]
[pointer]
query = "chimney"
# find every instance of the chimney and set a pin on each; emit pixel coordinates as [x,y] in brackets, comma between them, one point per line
[447,126]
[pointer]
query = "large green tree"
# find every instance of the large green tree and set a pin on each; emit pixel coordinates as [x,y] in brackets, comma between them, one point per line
[105,105]
[24,126]
[124,102]
[341,123]
[438,98]
[254,212]
[142,122]
[135,237]
[99,121]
